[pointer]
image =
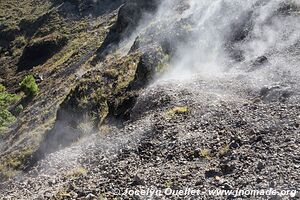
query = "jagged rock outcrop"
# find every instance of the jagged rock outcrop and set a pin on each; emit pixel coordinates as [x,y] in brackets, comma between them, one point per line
[109,93]
[129,17]
[103,95]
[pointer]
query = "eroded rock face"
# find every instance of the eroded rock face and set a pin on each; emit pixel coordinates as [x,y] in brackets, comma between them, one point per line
[169,38]
[103,95]
[91,7]
[151,63]
[111,91]
[98,90]
[7,35]
[40,50]
[129,17]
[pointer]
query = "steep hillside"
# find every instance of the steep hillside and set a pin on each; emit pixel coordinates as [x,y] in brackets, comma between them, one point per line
[53,41]
[101,97]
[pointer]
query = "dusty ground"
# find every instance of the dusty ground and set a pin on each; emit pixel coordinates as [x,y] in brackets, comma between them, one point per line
[227,139]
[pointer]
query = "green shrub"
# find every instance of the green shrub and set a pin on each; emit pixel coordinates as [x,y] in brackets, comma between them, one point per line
[6,118]
[29,86]
[6,100]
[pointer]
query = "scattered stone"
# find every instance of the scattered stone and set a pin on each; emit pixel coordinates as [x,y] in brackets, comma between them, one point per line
[227,168]
[260,166]
[210,173]
[90,197]
[137,181]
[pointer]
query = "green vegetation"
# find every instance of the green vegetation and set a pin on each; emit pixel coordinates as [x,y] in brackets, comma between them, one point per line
[12,12]
[105,129]
[62,194]
[6,118]
[6,100]
[168,184]
[15,161]
[29,86]
[6,174]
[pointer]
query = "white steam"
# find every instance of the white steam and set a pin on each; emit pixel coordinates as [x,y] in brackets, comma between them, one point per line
[212,24]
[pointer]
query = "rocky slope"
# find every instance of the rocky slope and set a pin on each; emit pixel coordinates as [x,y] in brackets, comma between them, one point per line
[57,43]
[219,142]
[149,94]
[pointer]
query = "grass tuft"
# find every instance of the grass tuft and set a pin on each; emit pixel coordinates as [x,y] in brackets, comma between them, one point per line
[224,150]
[205,153]
[177,111]
[77,172]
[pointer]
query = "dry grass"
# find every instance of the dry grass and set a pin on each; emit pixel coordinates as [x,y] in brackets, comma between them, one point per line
[224,150]
[205,153]
[178,110]
[77,172]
